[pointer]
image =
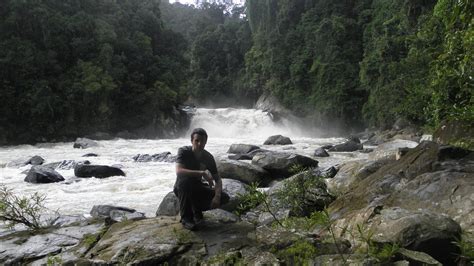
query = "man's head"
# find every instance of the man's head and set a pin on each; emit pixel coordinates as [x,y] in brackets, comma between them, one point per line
[198,139]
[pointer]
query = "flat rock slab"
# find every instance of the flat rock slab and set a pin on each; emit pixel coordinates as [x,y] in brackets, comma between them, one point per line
[21,247]
[162,239]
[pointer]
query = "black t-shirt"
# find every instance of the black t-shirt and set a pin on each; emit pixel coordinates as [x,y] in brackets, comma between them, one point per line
[189,161]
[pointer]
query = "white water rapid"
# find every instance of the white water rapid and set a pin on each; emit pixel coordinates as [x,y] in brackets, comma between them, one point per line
[147,183]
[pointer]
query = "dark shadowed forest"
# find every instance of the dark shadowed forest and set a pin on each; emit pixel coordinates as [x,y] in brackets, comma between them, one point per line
[69,68]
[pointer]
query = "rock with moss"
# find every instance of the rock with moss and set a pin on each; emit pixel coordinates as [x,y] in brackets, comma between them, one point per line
[25,246]
[458,133]
[428,177]
[417,257]
[164,240]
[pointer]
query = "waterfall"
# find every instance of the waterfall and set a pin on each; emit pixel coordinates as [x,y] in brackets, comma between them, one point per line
[243,123]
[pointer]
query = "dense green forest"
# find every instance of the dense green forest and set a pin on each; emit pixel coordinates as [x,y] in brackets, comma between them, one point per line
[69,68]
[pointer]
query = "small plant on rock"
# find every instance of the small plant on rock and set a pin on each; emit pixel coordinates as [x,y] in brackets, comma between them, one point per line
[54,260]
[25,210]
[254,198]
[383,253]
[465,244]
[251,199]
[300,253]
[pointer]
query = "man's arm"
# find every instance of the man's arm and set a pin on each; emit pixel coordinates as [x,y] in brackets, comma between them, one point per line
[182,171]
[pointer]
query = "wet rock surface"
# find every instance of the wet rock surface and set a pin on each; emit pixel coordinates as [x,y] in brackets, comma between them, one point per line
[277,140]
[242,148]
[84,143]
[98,171]
[279,163]
[41,174]
[243,171]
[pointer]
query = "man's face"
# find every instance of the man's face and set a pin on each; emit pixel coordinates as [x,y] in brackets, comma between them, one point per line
[199,142]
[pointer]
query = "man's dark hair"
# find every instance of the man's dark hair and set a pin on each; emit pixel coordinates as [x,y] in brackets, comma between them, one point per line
[199,131]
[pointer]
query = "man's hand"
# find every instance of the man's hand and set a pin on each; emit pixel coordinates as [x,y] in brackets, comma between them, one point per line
[216,202]
[208,177]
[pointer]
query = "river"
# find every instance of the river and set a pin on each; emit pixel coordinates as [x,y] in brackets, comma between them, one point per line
[146,184]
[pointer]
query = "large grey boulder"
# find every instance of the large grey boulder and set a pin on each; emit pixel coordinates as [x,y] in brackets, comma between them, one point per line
[41,174]
[84,143]
[243,171]
[390,149]
[98,171]
[235,189]
[353,172]
[247,156]
[419,230]
[163,240]
[427,178]
[242,148]
[277,140]
[169,206]
[279,164]
[35,160]
[347,146]
[20,248]
[17,163]
[320,152]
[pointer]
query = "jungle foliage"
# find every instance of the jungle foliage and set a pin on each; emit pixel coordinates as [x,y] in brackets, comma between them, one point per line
[68,68]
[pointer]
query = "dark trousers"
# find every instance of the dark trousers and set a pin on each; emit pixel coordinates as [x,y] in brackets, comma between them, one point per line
[195,197]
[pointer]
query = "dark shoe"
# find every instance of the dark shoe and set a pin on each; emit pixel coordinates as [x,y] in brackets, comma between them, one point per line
[189,225]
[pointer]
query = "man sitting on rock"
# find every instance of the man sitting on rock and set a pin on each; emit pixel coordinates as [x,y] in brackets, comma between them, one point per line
[192,165]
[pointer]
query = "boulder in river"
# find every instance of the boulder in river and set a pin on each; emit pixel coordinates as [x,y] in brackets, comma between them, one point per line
[17,163]
[98,171]
[320,152]
[280,164]
[242,148]
[41,174]
[158,157]
[243,171]
[84,143]
[348,146]
[277,140]
[35,160]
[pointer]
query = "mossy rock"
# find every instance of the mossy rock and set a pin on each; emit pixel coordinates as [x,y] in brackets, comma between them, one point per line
[457,133]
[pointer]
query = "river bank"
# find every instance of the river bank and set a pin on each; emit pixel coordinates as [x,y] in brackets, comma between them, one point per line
[414,198]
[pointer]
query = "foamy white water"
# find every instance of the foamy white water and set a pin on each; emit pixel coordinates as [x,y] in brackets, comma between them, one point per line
[146,184]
